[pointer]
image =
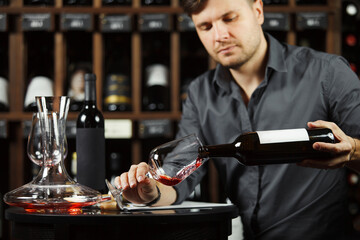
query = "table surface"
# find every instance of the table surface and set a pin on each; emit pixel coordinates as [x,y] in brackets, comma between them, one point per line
[185,222]
[189,211]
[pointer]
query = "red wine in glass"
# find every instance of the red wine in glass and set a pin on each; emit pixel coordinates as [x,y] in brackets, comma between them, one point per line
[181,175]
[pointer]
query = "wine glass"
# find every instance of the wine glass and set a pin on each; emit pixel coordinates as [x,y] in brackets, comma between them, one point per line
[169,163]
[34,144]
[172,162]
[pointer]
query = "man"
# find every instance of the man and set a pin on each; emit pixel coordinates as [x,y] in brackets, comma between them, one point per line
[261,84]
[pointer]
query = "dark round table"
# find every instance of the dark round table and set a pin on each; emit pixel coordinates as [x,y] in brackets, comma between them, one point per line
[171,224]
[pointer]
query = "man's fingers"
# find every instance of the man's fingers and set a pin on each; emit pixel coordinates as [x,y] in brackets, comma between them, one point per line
[124,184]
[142,169]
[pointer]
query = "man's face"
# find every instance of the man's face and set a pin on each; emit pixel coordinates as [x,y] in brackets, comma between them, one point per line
[230,30]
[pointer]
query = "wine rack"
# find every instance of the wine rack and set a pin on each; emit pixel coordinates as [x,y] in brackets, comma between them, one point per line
[95,31]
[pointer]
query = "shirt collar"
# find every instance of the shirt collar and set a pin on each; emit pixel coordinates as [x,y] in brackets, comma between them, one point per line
[276,61]
[276,54]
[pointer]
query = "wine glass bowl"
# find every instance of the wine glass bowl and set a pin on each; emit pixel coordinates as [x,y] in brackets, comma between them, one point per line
[172,162]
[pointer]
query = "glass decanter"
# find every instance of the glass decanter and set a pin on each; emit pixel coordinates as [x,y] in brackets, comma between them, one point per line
[34,145]
[53,190]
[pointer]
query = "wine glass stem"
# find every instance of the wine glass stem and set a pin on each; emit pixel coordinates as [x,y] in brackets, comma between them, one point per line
[119,198]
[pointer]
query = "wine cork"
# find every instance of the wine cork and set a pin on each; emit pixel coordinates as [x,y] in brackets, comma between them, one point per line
[109,206]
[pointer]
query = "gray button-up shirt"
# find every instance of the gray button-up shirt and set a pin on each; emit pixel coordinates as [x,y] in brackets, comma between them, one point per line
[283,201]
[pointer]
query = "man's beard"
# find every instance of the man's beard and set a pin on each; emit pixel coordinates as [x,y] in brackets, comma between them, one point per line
[238,63]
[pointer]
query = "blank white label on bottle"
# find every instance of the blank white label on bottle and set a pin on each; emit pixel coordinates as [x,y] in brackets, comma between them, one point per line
[279,136]
[157,74]
[118,128]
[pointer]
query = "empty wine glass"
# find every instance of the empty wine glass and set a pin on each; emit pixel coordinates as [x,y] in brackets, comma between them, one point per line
[34,149]
[169,163]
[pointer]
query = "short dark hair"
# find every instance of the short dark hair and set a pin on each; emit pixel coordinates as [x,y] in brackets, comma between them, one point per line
[195,6]
[192,6]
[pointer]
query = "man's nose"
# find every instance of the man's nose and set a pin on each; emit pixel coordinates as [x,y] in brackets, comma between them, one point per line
[221,32]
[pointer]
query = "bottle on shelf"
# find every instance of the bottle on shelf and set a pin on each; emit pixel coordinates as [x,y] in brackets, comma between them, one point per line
[156,92]
[311,2]
[275,2]
[4,3]
[272,147]
[117,95]
[116,2]
[4,101]
[38,86]
[350,16]
[155,2]
[351,40]
[77,2]
[117,87]
[39,2]
[350,32]
[77,85]
[350,50]
[312,38]
[353,195]
[350,8]
[1,216]
[90,140]
[39,66]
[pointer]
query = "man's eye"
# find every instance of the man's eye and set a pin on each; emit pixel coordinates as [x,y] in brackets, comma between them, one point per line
[206,27]
[230,19]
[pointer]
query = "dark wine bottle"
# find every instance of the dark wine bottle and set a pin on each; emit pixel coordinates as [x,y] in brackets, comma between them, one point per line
[4,3]
[39,67]
[156,96]
[350,48]
[4,101]
[117,93]
[90,140]
[39,2]
[77,2]
[116,2]
[275,2]
[155,2]
[272,147]
[350,32]
[117,88]
[2,220]
[311,2]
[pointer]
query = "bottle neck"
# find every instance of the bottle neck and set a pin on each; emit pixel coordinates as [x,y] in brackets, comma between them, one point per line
[221,150]
[90,93]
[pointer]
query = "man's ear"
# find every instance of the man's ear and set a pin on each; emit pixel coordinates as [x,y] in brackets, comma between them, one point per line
[258,8]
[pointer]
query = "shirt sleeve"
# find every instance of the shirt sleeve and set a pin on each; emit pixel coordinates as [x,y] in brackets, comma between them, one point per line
[189,124]
[342,89]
